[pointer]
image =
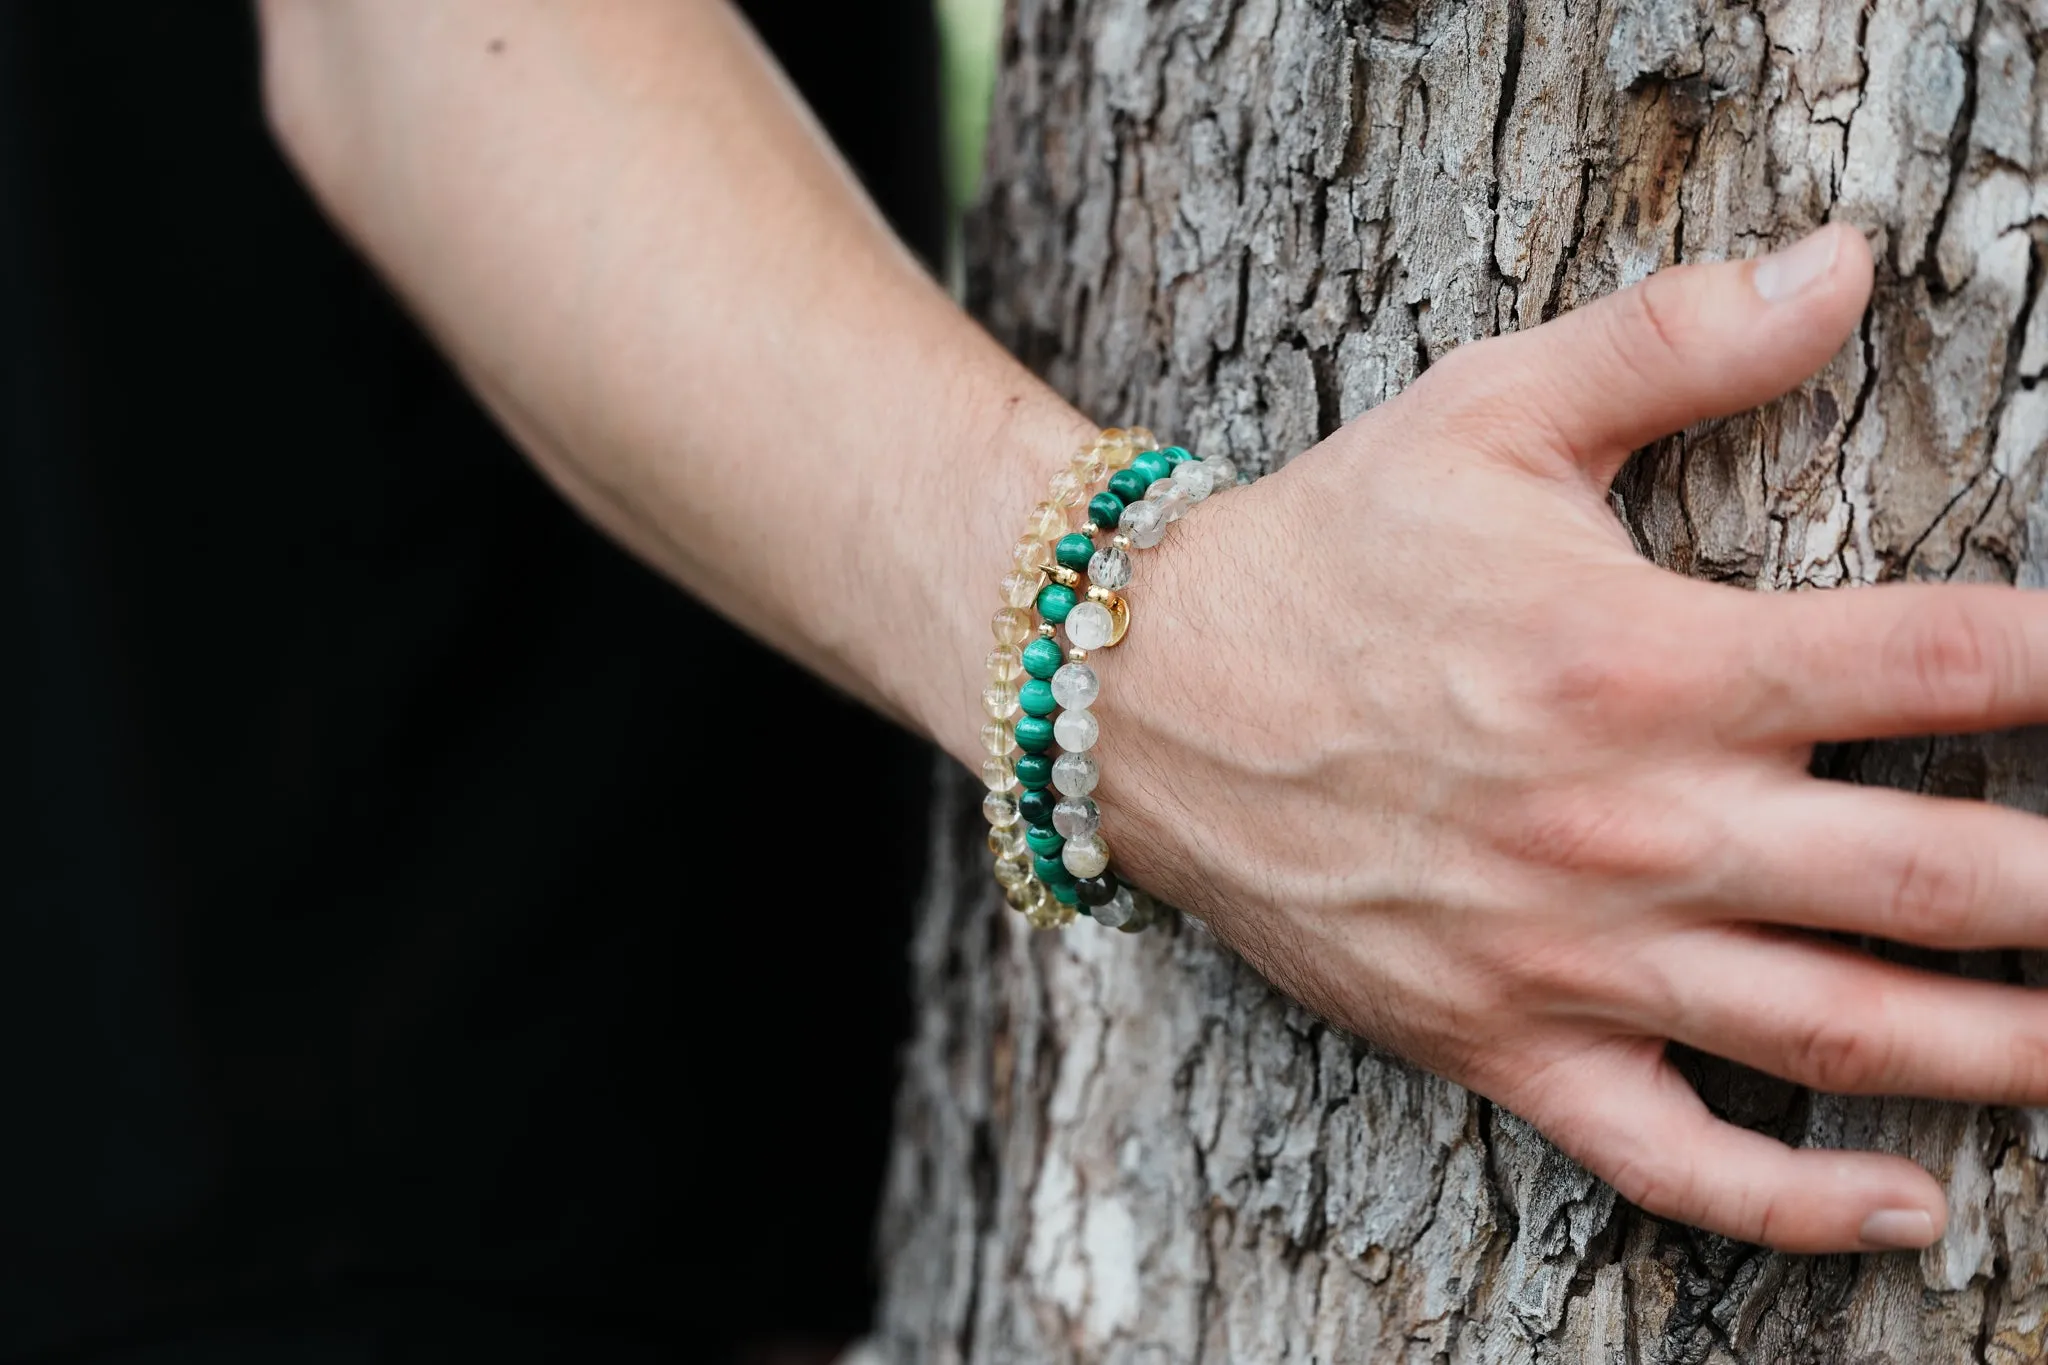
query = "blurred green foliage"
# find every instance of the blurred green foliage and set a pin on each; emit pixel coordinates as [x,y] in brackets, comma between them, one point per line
[969,31]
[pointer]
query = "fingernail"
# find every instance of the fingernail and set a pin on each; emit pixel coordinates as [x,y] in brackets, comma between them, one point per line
[1897,1229]
[1789,273]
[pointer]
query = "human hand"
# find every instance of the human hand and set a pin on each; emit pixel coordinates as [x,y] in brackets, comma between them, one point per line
[1411,726]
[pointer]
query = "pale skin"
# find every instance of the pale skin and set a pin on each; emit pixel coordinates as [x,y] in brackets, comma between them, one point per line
[1445,759]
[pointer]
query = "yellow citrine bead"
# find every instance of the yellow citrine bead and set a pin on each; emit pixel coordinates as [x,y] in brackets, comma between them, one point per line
[1068,490]
[1089,467]
[997,739]
[1001,701]
[999,774]
[1020,586]
[1116,454]
[1141,439]
[1013,873]
[1012,625]
[1048,522]
[1005,665]
[1033,554]
[1006,841]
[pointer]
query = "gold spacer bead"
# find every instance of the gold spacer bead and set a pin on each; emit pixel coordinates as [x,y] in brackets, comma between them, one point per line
[1048,629]
[1098,593]
[1063,575]
[1121,541]
[1077,656]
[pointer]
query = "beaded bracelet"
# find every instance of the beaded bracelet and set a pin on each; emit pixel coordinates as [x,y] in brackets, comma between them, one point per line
[1050,857]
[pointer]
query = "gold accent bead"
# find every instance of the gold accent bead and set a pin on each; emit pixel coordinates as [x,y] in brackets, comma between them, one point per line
[1098,593]
[1064,576]
[1077,656]
[1032,554]
[1020,586]
[1120,618]
[1012,626]
[1121,541]
[1048,629]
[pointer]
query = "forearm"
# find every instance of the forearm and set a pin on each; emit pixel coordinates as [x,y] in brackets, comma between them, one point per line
[624,229]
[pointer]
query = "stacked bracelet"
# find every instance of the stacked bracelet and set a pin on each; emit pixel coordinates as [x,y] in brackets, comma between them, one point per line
[1044,826]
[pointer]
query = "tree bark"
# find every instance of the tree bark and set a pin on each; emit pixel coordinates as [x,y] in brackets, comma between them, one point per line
[1246,221]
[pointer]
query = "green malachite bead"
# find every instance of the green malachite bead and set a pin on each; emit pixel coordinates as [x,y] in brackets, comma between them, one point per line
[1105,510]
[1128,484]
[1034,734]
[1152,465]
[1036,698]
[1176,454]
[1036,805]
[1045,841]
[1063,892]
[1043,657]
[1035,772]
[1074,551]
[1052,872]
[1055,600]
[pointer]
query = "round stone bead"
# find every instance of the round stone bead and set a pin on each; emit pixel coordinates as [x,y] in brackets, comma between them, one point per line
[1086,857]
[1223,471]
[1075,774]
[1000,701]
[1047,522]
[1090,626]
[1077,817]
[1043,840]
[1088,465]
[1074,551]
[1076,731]
[1170,497]
[1001,809]
[1067,489]
[1004,665]
[1063,892]
[1196,477]
[1115,448]
[1042,658]
[1050,870]
[1176,456]
[1144,912]
[1143,522]
[1000,775]
[1096,890]
[1006,842]
[1034,734]
[1110,568]
[1117,911]
[1127,484]
[1038,806]
[1032,771]
[996,739]
[1038,697]
[1104,509]
[1152,465]
[1076,687]
[1055,600]
[1012,626]
[1032,554]
[1013,871]
[1020,586]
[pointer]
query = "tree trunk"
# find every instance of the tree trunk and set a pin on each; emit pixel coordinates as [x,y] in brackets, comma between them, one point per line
[1246,221]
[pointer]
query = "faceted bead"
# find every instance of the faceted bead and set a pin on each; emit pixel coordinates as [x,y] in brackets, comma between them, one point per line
[1038,807]
[1075,551]
[1055,600]
[1034,734]
[1089,466]
[1032,554]
[1004,665]
[1076,731]
[1075,686]
[1000,702]
[1043,840]
[1144,523]
[1000,775]
[1051,870]
[1096,890]
[1075,818]
[1196,477]
[1013,871]
[1038,698]
[1117,911]
[1033,771]
[1110,568]
[1065,893]
[1090,626]
[1152,465]
[1223,471]
[996,738]
[1067,489]
[1000,809]
[1048,522]
[1013,626]
[1086,857]
[1104,509]
[1006,842]
[1177,455]
[1042,658]
[1141,438]
[1127,484]
[1020,586]
[1075,774]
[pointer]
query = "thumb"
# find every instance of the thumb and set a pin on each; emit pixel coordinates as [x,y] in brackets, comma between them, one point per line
[1685,345]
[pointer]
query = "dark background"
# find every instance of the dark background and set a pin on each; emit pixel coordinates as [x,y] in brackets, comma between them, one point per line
[424,935]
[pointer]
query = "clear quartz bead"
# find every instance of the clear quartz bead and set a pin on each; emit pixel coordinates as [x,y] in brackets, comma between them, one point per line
[1144,523]
[1170,497]
[1196,477]
[1033,554]
[1110,567]
[1068,490]
[1075,774]
[1085,857]
[1005,665]
[1089,466]
[1000,701]
[1000,809]
[1007,841]
[1077,817]
[1048,522]
[1012,626]
[1020,587]
[999,774]
[1118,910]
[1013,871]
[1144,913]
[1090,626]
[1075,686]
[1076,731]
[1223,471]
[997,739]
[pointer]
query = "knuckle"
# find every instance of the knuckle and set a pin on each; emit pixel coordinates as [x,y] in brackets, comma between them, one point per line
[1838,1052]
[1951,662]
[1609,835]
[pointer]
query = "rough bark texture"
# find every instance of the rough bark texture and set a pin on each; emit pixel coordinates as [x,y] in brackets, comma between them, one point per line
[1244,221]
